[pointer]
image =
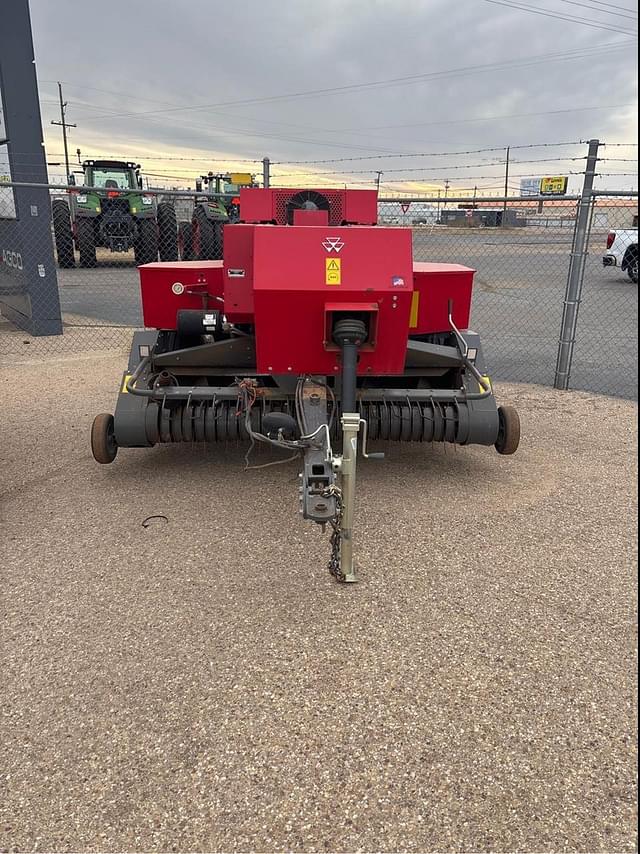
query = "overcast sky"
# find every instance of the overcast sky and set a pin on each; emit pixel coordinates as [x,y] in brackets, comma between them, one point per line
[130,67]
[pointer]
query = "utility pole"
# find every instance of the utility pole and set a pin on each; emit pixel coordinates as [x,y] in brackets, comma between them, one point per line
[506,187]
[266,171]
[446,190]
[475,193]
[379,176]
[64,124]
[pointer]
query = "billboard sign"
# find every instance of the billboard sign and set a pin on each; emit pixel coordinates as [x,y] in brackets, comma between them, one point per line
[530,186]
[554,186]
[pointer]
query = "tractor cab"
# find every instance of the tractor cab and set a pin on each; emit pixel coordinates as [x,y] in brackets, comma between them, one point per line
[112,175]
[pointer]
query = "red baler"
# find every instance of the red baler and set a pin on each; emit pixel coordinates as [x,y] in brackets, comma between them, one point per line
[316,327]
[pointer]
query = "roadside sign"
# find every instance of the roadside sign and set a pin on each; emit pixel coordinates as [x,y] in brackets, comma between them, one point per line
[554,186]
[529,186]
[240,178]
[405,206]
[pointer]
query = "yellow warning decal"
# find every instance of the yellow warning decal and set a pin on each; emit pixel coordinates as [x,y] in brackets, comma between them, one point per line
[488,383]
[333,271]
[415,305]
[126,379]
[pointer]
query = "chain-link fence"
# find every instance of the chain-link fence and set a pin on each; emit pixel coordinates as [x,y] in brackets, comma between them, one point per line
[606,352]
[100,235]
[522,250]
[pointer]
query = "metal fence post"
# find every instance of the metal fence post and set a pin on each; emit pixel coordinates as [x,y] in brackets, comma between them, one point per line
[575,278]
[265,171]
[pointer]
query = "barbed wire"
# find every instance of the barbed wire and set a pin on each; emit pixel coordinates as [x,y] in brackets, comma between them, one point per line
[424,154]
[449,168]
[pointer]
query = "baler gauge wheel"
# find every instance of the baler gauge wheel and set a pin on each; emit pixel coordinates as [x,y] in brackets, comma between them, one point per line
[103,440]
[508,430]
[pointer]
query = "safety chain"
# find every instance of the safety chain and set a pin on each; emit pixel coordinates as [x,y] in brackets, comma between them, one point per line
[336,539]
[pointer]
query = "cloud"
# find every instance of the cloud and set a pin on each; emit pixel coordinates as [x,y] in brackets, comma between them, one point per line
[133,58]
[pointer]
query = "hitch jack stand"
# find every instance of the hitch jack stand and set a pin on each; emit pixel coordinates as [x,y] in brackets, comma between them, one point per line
[349,334]
[350,428]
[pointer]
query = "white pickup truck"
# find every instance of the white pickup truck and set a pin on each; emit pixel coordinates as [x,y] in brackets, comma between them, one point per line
[622,251]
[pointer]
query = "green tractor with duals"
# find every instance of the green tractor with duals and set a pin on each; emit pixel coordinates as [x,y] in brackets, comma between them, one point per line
[112,210]
[216,204]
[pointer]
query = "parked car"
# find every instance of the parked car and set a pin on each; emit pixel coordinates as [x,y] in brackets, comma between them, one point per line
[622,251]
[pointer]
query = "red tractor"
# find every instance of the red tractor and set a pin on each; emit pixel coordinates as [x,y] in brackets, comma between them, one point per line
[316,331]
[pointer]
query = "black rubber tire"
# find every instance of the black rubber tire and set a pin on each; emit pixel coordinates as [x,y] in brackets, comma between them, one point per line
[145,248]
[185,241]
[86,237]
[508,430]
[63,234]
[203,236]
[632,269]
[167,232]
[103,441]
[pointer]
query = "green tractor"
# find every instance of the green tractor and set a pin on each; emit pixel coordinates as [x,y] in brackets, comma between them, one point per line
[216,204]
[113,212]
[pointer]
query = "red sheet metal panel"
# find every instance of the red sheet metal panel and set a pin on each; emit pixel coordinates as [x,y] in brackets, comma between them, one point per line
[433,286]
[169,286]
[298,271]
[238,272]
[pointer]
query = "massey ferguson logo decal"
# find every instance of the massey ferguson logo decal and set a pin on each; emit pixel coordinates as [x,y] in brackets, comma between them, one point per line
[333,244]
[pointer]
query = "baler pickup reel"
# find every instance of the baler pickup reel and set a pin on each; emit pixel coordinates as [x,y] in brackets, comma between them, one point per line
[317,330]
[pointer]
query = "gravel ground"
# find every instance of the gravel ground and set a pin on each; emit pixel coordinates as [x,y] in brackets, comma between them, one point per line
[203,685]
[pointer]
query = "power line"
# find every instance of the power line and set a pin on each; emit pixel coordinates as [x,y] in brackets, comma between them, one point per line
[356,132]
[601,11]
[496,118]
[229,131]
[612,6]
[109,92]
[395,81]
[574,20]
[352,131]
[246,131]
